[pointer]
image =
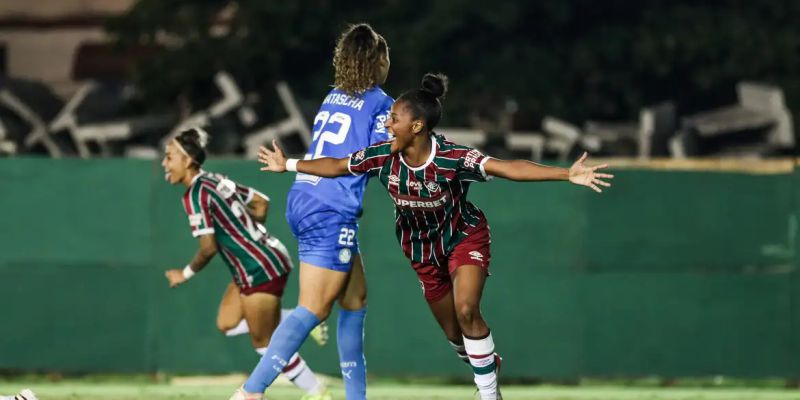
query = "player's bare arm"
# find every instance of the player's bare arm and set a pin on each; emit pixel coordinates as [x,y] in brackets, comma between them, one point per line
[207,251]
[523,170]
[258,207]
[275,161]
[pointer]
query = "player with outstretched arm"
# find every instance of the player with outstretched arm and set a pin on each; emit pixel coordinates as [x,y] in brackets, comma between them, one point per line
[445,236]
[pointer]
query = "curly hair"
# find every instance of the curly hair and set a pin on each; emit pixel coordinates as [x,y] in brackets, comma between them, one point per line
[357,59]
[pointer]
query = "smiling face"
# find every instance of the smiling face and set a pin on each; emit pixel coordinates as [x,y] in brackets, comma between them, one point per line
[177,165]
[402,125]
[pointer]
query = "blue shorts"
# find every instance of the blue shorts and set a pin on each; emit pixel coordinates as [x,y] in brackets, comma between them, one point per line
[325,238]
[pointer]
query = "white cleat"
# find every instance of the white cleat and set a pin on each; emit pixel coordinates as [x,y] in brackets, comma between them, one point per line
[242,395]
[26,394]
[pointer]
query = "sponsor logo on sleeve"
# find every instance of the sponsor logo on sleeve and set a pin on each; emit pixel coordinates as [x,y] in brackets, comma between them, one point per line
[226,188]
[472,158]
[195,219]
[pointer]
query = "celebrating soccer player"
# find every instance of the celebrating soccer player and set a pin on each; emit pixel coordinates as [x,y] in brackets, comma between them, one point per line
[323,214]
[445,236]
[227,218]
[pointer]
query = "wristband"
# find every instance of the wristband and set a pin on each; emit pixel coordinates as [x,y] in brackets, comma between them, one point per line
[291,164]
[188,272]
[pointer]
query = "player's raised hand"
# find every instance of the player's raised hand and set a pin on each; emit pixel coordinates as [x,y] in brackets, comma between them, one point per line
[273,160]
[175,277]
[580,174]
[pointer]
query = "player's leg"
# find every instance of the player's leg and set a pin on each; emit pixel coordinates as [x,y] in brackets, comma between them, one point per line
[320,248]
[438,292]
[469,268]
[319,287]
[230,320]
[320,332]
[445,313]
[350,332]
[468,281]
[262,312]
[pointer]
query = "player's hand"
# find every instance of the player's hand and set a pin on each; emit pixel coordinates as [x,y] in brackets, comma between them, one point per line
[580,174]
[273,160]
[175,277]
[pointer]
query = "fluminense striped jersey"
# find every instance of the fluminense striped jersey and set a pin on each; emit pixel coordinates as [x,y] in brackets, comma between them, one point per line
[431,207]
[217,205]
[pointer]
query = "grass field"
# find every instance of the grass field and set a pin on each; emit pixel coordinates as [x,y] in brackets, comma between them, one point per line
[385,391]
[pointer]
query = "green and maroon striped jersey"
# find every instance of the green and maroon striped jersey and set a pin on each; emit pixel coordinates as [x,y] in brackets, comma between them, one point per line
[431,207]
[217,205]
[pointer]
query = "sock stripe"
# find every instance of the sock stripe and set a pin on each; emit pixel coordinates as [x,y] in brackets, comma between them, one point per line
[484,370]
[292,365]
[480,356]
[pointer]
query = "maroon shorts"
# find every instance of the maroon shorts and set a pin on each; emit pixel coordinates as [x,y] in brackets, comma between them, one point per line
[274,287]
[473,250]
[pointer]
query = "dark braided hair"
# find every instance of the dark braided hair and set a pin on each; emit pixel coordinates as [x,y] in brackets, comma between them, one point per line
[425,102]
[194,141]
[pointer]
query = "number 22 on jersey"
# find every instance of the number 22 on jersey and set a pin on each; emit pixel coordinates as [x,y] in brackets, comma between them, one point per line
[328,121]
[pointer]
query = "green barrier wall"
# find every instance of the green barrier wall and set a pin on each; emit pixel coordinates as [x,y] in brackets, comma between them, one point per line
[668,273]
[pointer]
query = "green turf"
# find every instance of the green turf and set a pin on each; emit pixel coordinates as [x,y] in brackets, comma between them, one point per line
[123,391]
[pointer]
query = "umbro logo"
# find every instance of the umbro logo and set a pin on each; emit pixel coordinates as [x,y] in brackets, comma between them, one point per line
[394,180]
[476,255]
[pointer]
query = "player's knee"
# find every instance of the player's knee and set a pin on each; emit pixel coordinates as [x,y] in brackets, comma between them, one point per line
[354,302]
[224,326]
[319,309]
[259,341]
[467,312]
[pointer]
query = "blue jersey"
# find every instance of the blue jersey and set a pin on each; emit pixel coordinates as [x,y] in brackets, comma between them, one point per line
[344,125]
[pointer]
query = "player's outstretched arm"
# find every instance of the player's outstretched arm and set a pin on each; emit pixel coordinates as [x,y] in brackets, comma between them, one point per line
[523,170]
[207,251]
[276,161]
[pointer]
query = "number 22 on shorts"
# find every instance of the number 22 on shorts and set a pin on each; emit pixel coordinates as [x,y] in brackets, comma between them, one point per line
[346,236]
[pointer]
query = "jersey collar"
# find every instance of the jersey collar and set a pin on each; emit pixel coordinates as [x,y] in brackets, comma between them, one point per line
[434,147]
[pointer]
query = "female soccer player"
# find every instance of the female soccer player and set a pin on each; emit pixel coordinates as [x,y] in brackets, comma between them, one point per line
[226,218]
[445,236]
[323,214]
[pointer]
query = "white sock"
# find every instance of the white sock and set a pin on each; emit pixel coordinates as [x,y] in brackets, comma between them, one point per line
[240,329]
[481,357]
[460,351]
[298,372]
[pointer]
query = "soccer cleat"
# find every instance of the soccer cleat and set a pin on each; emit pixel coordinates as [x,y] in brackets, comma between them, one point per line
[26,394]
[242,395]
[325,395]
[320,333]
